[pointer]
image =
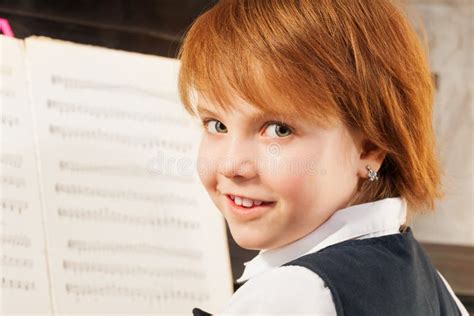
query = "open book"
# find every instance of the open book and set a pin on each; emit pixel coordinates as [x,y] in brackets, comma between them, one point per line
[102,208]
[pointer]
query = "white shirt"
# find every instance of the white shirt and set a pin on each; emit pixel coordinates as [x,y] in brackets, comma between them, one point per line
[274,290]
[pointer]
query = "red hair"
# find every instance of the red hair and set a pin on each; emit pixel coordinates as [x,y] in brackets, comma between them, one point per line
[325,60]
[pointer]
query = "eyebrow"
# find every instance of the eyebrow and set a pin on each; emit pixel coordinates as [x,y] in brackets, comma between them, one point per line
[254,117]
[202,111]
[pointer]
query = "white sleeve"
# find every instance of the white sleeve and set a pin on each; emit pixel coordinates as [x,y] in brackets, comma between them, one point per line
[286,290]
[461,307]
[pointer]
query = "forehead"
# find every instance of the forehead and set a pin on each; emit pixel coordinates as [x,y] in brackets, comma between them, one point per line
[237,107]
[244,112]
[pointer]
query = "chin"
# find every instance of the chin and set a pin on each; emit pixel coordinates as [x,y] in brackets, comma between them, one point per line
[247,240]
[248,246]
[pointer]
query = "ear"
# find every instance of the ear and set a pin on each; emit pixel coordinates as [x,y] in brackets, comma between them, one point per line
[371,155]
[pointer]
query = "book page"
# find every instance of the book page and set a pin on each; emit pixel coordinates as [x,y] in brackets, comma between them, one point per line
[129,227]
[23,268]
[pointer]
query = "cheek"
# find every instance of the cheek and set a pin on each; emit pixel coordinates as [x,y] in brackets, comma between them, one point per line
[287,185]
[299,177]
[288,176]
[206,163]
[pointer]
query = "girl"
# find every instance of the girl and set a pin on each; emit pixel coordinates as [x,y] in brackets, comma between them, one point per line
[317,148]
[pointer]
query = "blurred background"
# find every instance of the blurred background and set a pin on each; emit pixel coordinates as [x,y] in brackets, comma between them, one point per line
[156,28]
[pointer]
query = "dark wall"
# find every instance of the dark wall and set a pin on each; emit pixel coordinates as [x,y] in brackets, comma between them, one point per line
[145,26]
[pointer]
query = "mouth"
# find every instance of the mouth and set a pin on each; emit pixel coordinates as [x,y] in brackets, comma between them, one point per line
[248,207]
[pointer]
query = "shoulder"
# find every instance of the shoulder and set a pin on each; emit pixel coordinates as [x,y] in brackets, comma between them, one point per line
[290,289]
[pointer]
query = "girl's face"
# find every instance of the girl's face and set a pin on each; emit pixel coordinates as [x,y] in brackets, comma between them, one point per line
[305,171]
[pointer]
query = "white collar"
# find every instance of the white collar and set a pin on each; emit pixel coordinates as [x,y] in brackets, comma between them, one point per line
[365,220]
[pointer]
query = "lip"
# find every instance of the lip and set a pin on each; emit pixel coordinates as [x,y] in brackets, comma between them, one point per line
[248,213]
[242,196]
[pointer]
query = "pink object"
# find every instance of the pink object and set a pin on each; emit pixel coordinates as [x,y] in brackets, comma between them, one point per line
[5,28]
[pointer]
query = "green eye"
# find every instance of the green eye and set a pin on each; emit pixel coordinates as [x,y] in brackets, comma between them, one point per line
[281,129]
[217,127]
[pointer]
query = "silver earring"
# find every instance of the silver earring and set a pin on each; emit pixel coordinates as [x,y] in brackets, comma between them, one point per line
[372,174]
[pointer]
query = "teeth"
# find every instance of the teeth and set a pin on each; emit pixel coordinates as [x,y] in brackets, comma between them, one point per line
[238,200]
[245,201]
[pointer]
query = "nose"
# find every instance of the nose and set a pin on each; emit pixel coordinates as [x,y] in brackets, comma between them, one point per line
[239,159]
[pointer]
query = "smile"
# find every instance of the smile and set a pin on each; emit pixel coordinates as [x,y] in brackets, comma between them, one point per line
[247,208]
[247,202]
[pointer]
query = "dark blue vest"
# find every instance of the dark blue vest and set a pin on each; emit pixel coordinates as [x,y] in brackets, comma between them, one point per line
[388,275]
